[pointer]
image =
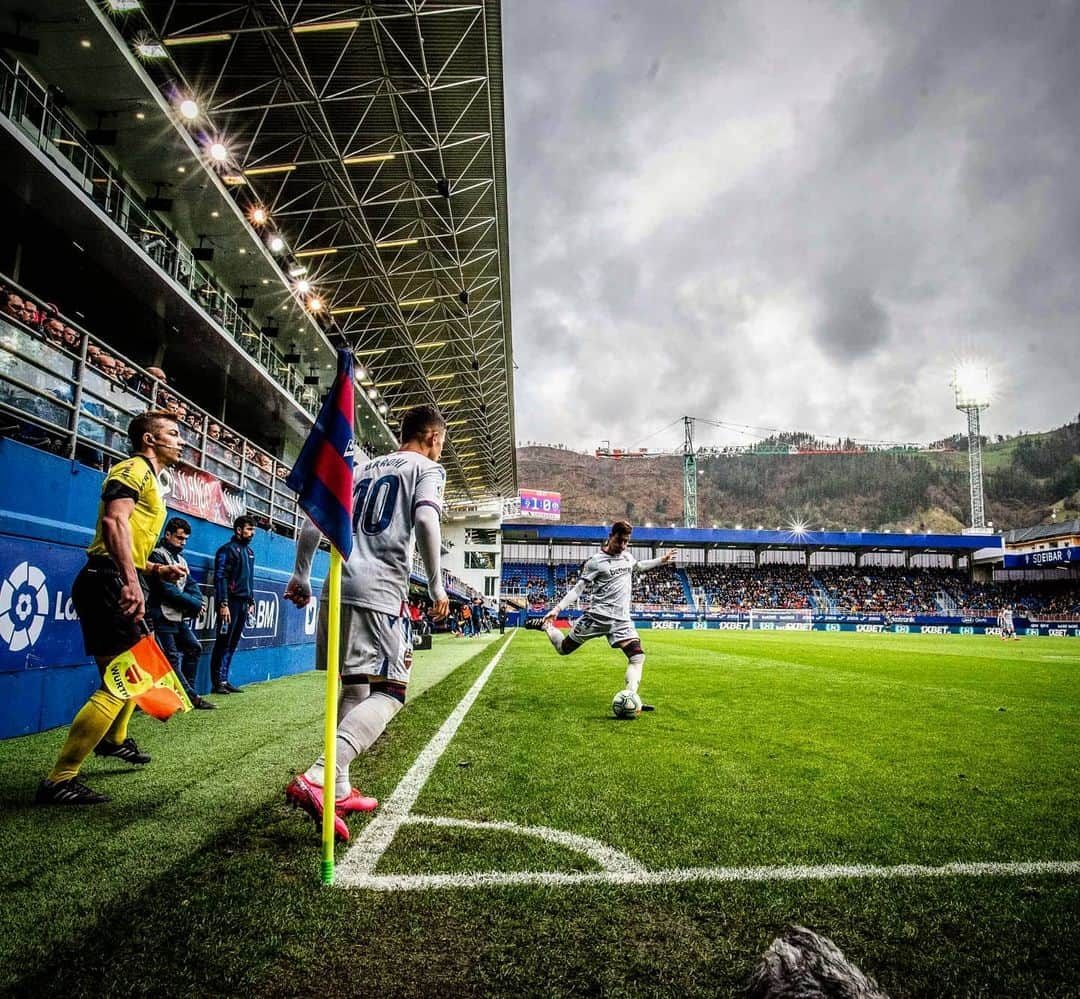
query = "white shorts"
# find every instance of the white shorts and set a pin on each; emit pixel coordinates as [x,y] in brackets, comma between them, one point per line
[373,643]
[587,626]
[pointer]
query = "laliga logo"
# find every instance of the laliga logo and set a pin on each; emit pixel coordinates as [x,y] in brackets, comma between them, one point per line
[24,605]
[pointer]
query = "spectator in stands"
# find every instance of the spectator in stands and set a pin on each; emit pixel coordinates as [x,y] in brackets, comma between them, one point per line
[54,331]
[110,598]
[234,591]
[174,606]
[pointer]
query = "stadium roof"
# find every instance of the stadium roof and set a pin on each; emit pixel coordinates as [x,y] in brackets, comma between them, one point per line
[373,134]
[812,541]
[1043,532]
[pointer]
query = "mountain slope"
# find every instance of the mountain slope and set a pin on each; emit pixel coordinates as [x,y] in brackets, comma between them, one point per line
[1025,477]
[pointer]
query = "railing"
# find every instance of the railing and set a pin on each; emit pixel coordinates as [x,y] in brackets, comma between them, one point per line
[64,390]
[34,111]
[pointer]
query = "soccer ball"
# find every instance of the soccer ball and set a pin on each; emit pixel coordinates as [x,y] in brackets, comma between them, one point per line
[626,704]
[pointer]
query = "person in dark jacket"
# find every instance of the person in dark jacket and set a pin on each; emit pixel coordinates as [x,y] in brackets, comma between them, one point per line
[234,592]
[173,605]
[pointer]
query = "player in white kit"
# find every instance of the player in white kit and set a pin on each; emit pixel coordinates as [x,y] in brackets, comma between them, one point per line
[607,580]
[1005,622]
[395,497]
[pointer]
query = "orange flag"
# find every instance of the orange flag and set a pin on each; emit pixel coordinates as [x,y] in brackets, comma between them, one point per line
[144,675]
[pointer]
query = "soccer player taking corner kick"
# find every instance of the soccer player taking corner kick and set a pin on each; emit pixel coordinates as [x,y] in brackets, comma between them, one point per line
[607,580]
[395,497]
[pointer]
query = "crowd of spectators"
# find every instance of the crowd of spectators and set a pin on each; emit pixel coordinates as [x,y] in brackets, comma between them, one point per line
[1028,598]
[735,588]
[885,590]
[659,587]
[528,580]
[732,587]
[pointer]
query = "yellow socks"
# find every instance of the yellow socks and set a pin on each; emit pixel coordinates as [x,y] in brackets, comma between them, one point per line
[118,732]
[102,714]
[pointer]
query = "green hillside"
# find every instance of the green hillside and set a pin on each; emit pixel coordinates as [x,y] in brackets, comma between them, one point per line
[1026,479]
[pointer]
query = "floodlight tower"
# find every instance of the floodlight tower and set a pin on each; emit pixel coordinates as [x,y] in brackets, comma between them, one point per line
[689,469]
[971,384]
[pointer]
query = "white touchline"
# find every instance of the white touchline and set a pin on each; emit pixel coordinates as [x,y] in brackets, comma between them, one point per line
[379,833]
[829,872]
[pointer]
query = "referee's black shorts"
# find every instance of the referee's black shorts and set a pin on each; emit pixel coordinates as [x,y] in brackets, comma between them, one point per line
[96,596]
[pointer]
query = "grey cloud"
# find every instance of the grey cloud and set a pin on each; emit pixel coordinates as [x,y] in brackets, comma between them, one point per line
[909,197]
[853,324]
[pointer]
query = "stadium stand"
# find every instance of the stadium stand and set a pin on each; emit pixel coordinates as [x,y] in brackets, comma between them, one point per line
[65,391]
[737,587]
[873,590]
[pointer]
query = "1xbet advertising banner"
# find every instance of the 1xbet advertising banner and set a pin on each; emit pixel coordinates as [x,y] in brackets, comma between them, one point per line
[39,627]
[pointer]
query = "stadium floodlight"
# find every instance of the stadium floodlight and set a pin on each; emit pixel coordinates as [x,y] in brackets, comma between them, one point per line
[972,390]
[258,215]
[189,109]
[218,152]
[277,244]
[972,386]
[382,408]
[123,6]
[149,48]
[303,286]
[315,304]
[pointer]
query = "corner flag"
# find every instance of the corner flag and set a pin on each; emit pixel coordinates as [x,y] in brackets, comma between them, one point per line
[323,474]
[323,479]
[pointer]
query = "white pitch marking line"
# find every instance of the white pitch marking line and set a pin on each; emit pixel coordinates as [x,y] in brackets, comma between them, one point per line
[608,858]
[829,872]
[379,833]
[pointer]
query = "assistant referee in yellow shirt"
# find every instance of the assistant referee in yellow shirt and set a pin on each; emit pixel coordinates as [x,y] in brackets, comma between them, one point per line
[109,595]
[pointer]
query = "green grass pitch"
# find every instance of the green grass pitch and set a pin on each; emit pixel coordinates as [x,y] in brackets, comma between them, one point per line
[767,750]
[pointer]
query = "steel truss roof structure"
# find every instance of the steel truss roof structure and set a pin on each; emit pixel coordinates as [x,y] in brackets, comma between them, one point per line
[373,135]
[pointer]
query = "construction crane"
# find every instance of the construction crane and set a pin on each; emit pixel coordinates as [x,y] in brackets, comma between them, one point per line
[690,469]
[689,474]
[809,445]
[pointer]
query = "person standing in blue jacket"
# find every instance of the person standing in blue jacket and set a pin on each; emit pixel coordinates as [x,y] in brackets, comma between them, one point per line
[172,607]
[234,591]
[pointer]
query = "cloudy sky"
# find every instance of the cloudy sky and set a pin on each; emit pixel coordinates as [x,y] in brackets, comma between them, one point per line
[791,213]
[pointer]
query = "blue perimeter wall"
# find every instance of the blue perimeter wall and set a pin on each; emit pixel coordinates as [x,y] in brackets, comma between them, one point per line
[47,513]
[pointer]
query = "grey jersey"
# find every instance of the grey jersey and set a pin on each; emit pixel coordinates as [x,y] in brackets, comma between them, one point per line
[608,584]
[387,492]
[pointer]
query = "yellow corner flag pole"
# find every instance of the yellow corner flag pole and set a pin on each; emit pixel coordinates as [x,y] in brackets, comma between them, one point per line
[333,643]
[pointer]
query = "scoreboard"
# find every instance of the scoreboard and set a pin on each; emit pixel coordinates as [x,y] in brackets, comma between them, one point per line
[539,504]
